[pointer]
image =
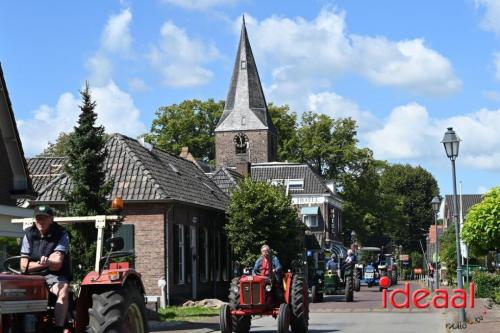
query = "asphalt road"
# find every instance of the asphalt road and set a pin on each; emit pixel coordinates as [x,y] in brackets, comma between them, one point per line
[364,315]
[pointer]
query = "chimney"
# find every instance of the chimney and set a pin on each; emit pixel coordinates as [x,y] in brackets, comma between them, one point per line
[184,152]
[244,168]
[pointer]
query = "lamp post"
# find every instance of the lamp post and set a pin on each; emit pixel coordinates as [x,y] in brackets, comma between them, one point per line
[436,204]
[451,144]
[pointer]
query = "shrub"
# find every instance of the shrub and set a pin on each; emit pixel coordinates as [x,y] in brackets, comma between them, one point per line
[487,285]
[497,296]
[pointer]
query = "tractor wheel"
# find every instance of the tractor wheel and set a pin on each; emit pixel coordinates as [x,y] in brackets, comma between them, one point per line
[240,324]
[299,302]
[118,311]
[349,289]
[357,285]
[314,295]
[283,318]
[225,320]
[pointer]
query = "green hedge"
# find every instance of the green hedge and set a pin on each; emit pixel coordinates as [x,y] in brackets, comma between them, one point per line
[486,284]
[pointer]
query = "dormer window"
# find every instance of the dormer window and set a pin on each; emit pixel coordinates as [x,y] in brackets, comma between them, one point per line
[243,64]
[243,120]
[241,143]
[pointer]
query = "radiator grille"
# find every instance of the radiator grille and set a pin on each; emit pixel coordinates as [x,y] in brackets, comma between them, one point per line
[246,292]
[256,293]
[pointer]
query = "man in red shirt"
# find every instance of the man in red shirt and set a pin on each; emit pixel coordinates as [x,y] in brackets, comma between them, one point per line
[265,263]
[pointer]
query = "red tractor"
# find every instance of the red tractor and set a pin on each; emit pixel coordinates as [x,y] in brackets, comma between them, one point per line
[110,299]
[266,296]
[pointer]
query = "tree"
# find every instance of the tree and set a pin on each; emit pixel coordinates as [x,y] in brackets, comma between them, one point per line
[448,252]
[412,189]
[191,123]
[286,128]
[86,155]
[328,145]
[481,230]
[58,148]
[258,214]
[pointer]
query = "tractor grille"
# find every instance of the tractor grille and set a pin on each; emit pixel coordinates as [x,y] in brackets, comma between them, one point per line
[23,306]
[251,293]
[256,293]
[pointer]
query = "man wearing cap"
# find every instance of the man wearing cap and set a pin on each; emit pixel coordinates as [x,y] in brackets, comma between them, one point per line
[45,248]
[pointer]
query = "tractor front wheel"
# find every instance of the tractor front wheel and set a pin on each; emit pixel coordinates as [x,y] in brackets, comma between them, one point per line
[349,289]
[283,318]
[357,284]
[299,302]
[118,311]
[225,320]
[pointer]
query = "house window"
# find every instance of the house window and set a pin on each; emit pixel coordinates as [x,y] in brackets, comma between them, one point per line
[277,182]
[243,64]
[296,184]
[311,220]
[179,254]
[243,120]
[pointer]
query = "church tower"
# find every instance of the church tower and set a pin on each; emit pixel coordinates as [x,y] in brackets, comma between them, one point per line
[245,131]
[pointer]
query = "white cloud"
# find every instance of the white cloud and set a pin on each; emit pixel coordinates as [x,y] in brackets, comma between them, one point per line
[336,106]
[491,18]
[322,48]
[137,84]
[100,69]
[180,59]
[116,34]
[199,4]
[411,134]
[115,110]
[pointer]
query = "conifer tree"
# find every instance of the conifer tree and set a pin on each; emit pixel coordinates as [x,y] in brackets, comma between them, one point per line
[85,167]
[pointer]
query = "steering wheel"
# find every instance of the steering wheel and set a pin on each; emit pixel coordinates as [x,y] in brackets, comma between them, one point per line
[7,264]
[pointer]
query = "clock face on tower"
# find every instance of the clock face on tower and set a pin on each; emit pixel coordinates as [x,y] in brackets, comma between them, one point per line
[240,141]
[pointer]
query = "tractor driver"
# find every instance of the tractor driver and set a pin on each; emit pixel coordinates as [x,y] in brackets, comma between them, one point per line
[332,264]
[46,246]
[264,264]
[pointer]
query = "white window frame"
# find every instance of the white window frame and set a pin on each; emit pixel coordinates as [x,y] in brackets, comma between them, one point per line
[181,263]
[207,254]
[305,218]
[292,182]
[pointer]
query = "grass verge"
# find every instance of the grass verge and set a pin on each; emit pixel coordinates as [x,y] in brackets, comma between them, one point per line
[179,313]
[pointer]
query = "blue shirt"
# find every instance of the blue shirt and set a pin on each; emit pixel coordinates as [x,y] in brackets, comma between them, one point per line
[331,265]
[62,246]
[275,265]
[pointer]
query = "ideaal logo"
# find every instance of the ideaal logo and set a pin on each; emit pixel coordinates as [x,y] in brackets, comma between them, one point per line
[439,300]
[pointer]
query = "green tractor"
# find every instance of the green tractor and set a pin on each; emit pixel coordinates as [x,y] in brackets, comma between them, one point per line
[340,282]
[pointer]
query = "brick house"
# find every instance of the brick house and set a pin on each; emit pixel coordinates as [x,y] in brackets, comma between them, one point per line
[15,182]
[174,216]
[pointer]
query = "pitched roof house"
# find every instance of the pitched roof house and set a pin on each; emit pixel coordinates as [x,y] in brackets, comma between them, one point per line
[15,182]
[174,214]
[465,200]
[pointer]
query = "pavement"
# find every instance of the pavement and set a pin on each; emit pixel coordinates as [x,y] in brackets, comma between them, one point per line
[362,315]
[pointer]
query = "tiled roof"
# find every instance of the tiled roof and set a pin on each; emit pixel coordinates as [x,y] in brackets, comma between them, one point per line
[245,107]
[44,170]
[226,179]
[468,200]
[313,183]
[146,175]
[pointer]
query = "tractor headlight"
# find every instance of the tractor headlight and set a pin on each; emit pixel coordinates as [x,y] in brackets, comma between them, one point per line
[268,288]
[236,289]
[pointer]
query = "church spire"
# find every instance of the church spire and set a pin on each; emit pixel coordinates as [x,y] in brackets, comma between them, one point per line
[246,107]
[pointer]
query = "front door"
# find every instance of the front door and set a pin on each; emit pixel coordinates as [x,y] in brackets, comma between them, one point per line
[194,266]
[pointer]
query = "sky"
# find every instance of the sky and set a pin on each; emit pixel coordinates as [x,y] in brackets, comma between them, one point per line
[404,70]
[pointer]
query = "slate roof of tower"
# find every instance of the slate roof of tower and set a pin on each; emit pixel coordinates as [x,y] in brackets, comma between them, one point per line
[245,98]
[143,174]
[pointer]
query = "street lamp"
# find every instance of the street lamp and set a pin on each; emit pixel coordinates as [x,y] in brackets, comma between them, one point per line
[451,143]
[436,204]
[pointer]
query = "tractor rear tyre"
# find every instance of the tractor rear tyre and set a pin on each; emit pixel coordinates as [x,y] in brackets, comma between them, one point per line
[299,303]
[349,289]
[118,311]
[240,324]
[357,284]
[283,318]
